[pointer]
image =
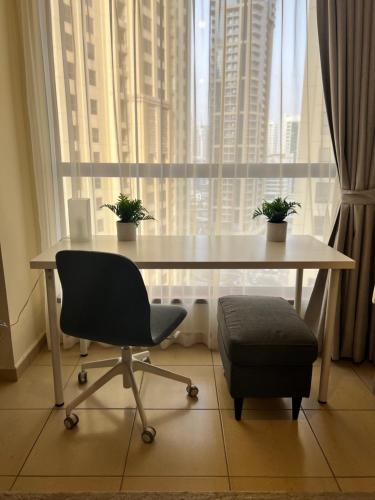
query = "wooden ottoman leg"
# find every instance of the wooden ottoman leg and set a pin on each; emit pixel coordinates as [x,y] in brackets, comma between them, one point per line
[238,402]
[296,405]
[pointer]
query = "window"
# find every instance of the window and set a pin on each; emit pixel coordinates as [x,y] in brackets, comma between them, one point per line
[100,225]
[95,135]
[147,68]
[89,25]
[93,106]
[70,69]
[146,23]
[147,46]
[187,121]
[92,77]
[90,50]
[73,102]
[147,89]
[68,42]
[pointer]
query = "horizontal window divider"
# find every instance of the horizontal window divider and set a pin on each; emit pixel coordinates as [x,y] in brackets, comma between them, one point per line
[199,170]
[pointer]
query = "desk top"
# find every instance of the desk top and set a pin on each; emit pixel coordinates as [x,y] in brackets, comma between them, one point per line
[209,252]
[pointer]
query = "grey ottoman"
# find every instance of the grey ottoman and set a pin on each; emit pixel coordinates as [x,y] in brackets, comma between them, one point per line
[266,349]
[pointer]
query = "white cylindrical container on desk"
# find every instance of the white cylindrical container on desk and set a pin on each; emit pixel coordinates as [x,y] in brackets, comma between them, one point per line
[79,219]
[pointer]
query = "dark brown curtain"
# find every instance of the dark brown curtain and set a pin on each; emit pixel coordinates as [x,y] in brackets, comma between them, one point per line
[346,31]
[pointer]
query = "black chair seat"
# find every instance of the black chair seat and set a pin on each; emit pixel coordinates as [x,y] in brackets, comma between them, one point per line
[164,319]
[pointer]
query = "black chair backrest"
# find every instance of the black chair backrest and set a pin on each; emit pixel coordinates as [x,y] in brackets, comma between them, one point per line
[104,298]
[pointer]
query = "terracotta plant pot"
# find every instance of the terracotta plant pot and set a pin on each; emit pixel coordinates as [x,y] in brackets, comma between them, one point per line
[276,231]
[126,231]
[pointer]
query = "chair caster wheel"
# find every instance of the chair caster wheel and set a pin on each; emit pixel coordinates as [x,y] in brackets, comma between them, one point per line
[82,377]
[71,421]
[148,435]
[192,391]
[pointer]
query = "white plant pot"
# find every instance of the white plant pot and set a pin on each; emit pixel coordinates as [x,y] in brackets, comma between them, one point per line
[126,231]
[276,231]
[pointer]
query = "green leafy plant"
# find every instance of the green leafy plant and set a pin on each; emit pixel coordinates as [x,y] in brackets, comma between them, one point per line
[128,210]
[276,210]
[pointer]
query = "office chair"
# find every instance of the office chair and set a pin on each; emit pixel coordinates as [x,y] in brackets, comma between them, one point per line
[105,299]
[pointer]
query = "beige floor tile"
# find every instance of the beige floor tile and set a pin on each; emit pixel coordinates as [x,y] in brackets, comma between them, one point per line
[19,430]
[111,395]
[6,482]
[161,393]
[69,357]
[97,352]
[187,443]
[347,439]
[346,391]
[268,484]
[216,359]
[66,484]
[33,390]
[226,401]
[363,484]
[366,371]
[198,354]
[96,447]
[175,484]
[270,443]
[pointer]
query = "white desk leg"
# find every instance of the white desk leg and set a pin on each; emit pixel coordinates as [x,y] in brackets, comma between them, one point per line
[328,334]
[55,340]
[298,292]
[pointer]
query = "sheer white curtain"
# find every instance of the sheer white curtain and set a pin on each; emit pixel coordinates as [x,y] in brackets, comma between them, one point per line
[202,109]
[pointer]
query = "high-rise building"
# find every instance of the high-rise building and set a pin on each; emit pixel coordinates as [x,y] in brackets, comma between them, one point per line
[273,142]
[290,138]
[240,67]
[122,84]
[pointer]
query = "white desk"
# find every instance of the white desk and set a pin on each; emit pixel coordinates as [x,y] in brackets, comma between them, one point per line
[208,252]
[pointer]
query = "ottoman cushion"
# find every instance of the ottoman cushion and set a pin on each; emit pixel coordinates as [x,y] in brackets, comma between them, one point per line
[261,331]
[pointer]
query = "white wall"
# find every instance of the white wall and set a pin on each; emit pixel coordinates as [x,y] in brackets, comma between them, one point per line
[19,231]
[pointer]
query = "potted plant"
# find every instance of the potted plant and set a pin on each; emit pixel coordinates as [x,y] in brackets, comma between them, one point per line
[131,213]
[276,212]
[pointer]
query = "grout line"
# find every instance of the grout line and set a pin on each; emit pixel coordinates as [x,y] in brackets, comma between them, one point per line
[68,380]
[321,448]
[31,449]
[128,450]
[131,433]
[257,476]
[212,357]
[362,380]
[222,428]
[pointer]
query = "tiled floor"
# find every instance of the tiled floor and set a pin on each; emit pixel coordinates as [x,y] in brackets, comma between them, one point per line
[199,445]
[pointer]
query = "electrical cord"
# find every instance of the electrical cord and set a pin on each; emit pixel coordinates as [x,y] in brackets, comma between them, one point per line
[25,304]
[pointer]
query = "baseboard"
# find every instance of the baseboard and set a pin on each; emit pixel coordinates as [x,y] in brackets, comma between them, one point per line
[8,375]
[13,374]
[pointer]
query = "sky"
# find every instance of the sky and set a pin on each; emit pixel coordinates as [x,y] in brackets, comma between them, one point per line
[289,47]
